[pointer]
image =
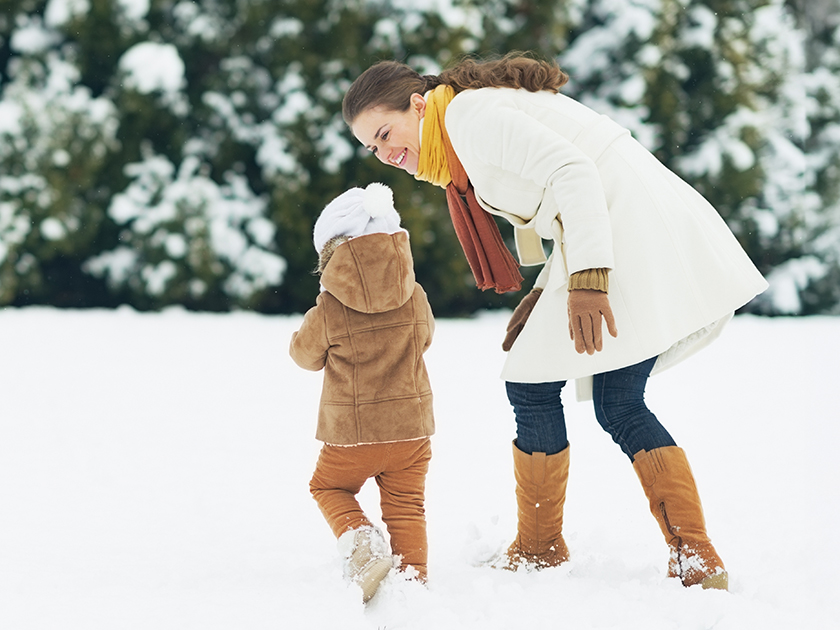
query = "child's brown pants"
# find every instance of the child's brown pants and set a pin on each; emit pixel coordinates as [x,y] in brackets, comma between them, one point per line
[400,471]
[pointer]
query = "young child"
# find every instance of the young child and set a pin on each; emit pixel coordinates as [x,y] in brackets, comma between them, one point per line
[369,329]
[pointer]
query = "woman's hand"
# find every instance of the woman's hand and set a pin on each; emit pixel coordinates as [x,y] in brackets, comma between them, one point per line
[586,307]
[519,317]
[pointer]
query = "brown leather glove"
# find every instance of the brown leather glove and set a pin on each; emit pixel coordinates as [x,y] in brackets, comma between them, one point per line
[586,307]
[519,317]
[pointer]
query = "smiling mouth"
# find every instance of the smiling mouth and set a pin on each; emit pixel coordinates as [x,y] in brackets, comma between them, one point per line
[401,158]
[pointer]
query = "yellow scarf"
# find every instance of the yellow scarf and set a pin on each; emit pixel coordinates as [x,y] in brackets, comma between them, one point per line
[492,264]
[433,166]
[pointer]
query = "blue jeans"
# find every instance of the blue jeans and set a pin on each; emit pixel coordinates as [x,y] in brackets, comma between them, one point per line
[619,399]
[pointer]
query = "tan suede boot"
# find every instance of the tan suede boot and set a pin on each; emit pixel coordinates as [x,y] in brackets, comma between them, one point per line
[540,494]
[675,504]
[367,558]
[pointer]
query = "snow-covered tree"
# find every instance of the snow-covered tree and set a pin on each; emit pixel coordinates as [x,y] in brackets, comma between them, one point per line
[185,237]
[54,137]
[801,226]
[722,92]
[179,152]
[276,105]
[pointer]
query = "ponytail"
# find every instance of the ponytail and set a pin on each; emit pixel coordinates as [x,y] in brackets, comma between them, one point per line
[515,70]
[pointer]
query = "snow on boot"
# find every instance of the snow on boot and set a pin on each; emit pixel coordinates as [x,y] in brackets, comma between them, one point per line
[367,558]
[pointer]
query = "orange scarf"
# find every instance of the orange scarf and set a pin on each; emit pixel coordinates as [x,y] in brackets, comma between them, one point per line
[492,264]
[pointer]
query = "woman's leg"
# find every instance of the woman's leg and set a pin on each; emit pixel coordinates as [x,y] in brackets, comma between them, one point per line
[619,398]
[541,470]
[540,422]
[664,472]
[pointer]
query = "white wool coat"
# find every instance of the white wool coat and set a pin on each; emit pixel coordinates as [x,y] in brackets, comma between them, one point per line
[559,171]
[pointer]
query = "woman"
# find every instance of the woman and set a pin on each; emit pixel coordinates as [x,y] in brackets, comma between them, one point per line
[633,245]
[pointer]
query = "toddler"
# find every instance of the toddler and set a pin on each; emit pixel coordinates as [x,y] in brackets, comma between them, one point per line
[368,330]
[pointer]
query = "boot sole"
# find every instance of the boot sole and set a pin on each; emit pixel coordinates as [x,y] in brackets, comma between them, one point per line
[719,582]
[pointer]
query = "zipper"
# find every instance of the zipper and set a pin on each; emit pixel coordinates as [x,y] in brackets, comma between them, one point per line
[678,545]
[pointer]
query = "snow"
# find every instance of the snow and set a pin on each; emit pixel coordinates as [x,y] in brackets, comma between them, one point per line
[723,142]
[592,50]
[184,214]
[10,115]
[52,229]
[154,473]
[32,38]
[150,67]
[787,281]
[60,12]
[701,33]
[134,10]
[285,27]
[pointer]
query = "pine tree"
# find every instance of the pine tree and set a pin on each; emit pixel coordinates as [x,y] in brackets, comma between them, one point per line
[179,153]
[806,280]
[720,91]
[305,56]
[55,135]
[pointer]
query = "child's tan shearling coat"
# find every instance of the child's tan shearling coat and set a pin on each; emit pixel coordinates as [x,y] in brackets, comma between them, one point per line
[369,329]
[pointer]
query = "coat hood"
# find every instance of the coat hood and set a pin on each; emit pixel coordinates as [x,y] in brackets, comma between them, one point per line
[372,273]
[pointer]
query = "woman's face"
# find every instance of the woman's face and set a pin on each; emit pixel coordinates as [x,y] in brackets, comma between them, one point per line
[392,136]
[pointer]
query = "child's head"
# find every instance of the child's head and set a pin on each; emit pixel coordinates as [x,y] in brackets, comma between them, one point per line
[357,212]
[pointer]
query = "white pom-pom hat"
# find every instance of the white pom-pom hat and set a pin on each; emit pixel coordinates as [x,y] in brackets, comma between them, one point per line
[357,212]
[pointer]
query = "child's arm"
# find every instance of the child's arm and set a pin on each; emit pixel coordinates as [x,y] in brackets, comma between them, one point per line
[309,345]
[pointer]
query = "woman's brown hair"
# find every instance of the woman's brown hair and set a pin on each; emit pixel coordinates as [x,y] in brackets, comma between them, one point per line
[390,84]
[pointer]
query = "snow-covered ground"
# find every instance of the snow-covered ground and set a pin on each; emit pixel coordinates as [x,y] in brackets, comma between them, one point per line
[154,471]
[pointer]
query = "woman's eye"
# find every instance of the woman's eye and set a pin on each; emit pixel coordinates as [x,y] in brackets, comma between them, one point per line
[385,135]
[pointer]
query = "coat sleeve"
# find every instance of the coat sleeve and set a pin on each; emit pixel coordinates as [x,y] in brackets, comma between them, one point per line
[524,147]
[431,324]
[423,303]
[309,345]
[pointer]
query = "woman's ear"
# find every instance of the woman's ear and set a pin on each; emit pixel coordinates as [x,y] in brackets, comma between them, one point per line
[418,104]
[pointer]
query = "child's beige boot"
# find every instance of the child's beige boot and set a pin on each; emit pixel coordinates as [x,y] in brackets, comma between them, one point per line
[367,558]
